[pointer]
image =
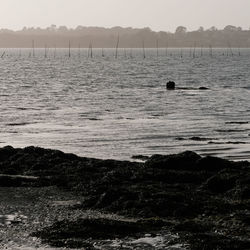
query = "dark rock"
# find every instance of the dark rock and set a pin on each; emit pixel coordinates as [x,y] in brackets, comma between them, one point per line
[184,161]
[192,226]
[199,195]
[6,152]
[244,193]
[220,183]
[210,163]
[209,241]
[170,85]
[203,88]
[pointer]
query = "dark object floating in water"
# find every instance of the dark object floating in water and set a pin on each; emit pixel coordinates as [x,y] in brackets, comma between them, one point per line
[203,88]
[170,85]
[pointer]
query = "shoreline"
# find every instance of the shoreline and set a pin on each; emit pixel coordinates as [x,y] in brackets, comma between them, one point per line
[205,200]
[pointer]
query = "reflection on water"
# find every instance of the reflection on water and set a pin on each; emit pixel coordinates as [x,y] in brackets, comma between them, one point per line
[116,108]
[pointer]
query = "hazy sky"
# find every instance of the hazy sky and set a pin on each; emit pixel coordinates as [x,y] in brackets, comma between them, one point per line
[157,14]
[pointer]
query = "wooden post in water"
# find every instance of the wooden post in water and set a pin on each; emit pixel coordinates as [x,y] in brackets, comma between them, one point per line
[45,51]
[125,53]
[102,52]
[194,50]
[181,52]
[3,54]
[79,50]
[230,49]
[69,49]
[90,52]
[166,49]
[201,51]
[157,48]
[117,46]
[131,53]
[210,50]
[33,48]
[143,49]
[55,52]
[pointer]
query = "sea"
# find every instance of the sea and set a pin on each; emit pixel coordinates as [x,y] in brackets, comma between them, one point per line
[114,104]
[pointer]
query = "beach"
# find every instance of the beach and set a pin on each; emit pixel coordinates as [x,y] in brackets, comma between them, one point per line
[180,201]
[124,125]
[131,164]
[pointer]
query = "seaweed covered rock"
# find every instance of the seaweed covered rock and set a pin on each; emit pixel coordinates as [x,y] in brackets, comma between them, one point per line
[210,163]
[182,161]
[82,232]
[208,193]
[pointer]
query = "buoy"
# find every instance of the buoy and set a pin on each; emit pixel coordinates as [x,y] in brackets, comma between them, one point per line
[170,85]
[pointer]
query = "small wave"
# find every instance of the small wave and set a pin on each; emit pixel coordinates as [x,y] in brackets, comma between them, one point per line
[195,138]
[190,88]
[228,142]
[237,122]
[214,150]
[231,130]
[17,124]
[19,108]
[94,119]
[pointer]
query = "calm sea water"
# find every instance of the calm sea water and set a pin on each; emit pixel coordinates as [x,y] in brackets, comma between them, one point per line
[109,107]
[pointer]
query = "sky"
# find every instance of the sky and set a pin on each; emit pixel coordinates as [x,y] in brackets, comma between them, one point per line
[163,15]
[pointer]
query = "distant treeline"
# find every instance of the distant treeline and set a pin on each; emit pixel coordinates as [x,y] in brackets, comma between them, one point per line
[98,37]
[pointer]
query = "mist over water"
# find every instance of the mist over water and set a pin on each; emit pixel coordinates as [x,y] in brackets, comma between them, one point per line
[109,107]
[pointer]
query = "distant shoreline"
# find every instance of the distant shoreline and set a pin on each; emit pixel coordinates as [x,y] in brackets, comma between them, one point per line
[98,37]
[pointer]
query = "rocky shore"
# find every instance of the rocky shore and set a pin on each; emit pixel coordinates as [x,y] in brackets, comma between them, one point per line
[205,200]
